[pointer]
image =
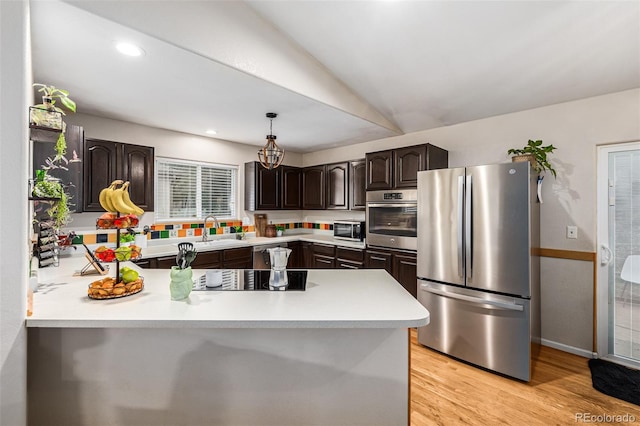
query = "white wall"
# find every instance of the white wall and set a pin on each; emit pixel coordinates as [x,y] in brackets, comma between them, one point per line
[15,96]
[170,144]
[575,128]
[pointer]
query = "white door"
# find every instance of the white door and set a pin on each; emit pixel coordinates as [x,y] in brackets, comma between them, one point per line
[618,296]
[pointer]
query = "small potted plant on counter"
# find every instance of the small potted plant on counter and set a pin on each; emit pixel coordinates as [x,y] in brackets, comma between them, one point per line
[536,154]
[279,230]
[239,231]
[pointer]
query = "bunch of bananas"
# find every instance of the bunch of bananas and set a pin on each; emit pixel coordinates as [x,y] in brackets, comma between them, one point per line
[115,198]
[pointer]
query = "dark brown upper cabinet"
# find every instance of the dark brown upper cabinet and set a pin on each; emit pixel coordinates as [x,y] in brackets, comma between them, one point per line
[398,168]
[408,162]
[105,161]
[137,168]
[379,169]
[291,188]
[358,184]
[338,186]
[275,189]
[313,187]
[262,187]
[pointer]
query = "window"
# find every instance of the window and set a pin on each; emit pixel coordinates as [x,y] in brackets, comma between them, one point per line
[187,189]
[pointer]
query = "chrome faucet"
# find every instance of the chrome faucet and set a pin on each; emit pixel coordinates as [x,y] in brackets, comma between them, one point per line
[205,234]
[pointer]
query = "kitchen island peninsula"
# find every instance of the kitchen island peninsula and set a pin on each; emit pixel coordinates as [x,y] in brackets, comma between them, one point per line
[335,353]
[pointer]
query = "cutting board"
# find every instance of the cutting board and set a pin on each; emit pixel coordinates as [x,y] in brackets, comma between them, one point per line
[260,220]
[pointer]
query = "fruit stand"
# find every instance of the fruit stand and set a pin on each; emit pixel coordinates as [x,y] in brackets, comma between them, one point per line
[121,213]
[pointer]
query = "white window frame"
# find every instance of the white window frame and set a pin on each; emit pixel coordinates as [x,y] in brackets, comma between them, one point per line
[199,215]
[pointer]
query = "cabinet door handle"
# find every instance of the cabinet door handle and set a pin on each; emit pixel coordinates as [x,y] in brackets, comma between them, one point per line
[347,266]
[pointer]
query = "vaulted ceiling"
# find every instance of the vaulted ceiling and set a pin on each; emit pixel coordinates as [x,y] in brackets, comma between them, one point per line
[336,72]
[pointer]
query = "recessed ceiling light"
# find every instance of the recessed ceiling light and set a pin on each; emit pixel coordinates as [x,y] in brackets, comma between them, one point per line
[129,49]
[211,132]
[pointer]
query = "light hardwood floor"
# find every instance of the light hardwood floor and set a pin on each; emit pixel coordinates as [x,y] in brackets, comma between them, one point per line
[449,392]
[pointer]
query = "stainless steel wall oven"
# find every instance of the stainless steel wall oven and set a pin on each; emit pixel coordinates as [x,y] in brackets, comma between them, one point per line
[392,219]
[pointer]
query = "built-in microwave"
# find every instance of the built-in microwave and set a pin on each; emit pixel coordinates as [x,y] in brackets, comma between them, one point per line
[392,219]
[349,230]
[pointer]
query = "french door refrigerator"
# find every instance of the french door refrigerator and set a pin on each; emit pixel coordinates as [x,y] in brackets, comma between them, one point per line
[478,266]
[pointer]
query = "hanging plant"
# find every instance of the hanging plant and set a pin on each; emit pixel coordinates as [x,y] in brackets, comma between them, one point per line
[59,210]
[48,186]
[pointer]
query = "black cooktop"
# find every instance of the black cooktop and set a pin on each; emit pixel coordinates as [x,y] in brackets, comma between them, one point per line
[248,280]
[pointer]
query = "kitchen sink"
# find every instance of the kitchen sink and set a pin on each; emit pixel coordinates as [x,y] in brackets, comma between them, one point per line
[219,243]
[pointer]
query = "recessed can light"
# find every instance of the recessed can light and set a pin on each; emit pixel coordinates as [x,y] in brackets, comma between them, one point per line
[129,49]
[211,132]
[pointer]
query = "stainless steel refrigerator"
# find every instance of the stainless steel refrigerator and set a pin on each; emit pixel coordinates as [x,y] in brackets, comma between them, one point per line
[478,265]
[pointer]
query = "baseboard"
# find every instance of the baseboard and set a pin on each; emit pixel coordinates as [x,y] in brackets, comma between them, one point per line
[570,349]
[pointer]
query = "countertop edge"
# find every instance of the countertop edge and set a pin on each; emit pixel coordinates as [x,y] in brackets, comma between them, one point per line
[151,323]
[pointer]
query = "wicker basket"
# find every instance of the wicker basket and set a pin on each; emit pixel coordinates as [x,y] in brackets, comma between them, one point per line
[526,157]
[523,157]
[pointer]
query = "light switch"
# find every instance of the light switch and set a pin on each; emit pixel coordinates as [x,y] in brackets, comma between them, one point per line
[572,232]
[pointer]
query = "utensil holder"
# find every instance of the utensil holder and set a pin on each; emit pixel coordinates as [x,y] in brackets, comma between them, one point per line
[181,283]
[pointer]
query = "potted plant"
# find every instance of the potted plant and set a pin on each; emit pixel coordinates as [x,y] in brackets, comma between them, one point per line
[279,230]
[49,95]
[536,154]
[47,114]
[239,232]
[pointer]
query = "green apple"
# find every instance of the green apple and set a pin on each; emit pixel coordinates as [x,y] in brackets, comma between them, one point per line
[123,253]
[129,276]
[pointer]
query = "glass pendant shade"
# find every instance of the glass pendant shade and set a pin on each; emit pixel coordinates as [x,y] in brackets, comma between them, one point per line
[271,155]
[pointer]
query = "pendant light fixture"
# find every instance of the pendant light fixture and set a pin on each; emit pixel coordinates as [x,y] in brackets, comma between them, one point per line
[271,155]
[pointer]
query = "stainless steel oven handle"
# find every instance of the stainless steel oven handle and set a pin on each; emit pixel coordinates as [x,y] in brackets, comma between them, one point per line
[411,204]
[478,300]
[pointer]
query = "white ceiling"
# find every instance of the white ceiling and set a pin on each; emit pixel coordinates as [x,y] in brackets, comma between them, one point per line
[337,72]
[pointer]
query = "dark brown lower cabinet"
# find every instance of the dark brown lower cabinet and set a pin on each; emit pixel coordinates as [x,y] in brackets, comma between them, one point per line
[146,263]
[405,271]
[238,258]
[349,258]
[323,256]
[376,259]
[307,254]
[296,258]
[401,265]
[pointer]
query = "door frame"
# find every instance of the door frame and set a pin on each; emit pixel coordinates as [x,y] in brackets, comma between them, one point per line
[602,247]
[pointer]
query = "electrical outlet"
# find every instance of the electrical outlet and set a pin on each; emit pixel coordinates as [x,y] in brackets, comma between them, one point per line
[572,232]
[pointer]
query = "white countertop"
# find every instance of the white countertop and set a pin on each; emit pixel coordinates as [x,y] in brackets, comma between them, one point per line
[364,298]
[170,246]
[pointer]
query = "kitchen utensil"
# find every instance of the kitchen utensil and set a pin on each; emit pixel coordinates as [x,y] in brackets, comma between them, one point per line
[180,259]
[278,279]
[185,246]
[190,255]
[261,223]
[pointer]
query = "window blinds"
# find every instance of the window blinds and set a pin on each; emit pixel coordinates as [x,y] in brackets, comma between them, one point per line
[187,190]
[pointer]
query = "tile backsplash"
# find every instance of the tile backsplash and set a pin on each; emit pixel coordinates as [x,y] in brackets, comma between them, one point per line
[186,230]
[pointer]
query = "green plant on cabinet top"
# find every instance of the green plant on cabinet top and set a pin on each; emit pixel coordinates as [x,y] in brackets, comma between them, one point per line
[538,153]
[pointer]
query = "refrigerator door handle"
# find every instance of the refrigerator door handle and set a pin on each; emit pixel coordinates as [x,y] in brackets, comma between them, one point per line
[460,224]
[478,300]
[468,213]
